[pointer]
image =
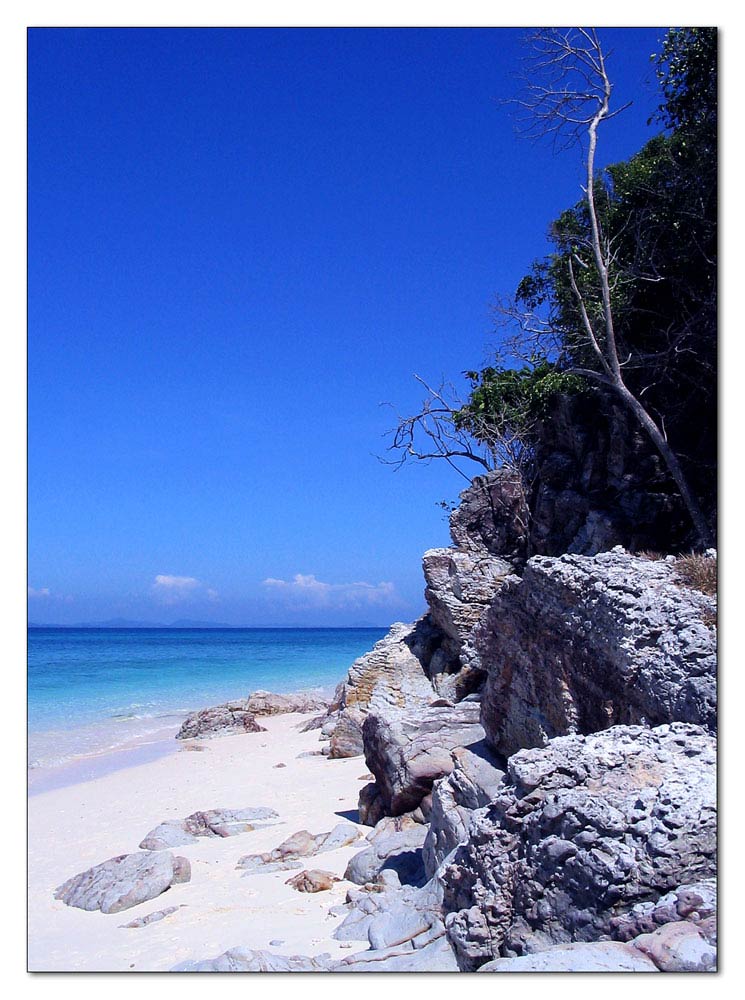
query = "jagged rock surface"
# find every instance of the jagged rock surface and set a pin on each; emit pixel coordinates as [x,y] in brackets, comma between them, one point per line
[583,830]
[580,644]
[124,881]
[210,823]
[408,753]
[269,703]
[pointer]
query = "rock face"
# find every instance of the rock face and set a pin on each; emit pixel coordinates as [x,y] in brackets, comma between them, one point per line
[210,823]
[220,720]
[473,783]
[408,753]
[583,830]
[580,644]
[597,956]
[125,881]
[492,517]
[460,585]
[346,737]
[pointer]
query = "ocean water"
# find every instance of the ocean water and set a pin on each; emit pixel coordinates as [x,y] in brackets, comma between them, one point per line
[96,690]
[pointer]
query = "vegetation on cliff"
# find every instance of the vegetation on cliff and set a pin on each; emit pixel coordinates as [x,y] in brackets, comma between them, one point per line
[624,307]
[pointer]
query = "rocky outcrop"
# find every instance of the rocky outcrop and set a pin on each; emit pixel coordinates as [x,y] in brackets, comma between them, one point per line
[210,823]
[240,716]
[582,831]
[124,881]
[408,753]
[346,735]
[580,644]
[220,720]
[596,956]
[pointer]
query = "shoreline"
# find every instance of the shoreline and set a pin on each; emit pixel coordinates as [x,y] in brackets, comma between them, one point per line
[75,826]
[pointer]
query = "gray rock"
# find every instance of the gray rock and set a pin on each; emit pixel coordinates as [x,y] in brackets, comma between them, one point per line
[152,918]
[595,956]
[124,881]
[300,845]
[436,956]
[210,823]
[460,586]
[220,720]
[246,960]
[581,644]
[581,832]
[399,851]
[695,902]
[269,703]
[346,737]
[473,783]
[407,754]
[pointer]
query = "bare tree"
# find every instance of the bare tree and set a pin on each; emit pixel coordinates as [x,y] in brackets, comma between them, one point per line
[443,428]
[567,98]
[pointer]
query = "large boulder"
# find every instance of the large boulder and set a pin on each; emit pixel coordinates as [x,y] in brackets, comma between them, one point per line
[124,881]
[394,850]
[408,753]
[269,703]
[582,831]
[583,643]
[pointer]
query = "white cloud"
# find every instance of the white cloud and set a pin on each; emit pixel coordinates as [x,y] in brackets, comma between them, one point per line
[41,592]
[305,589]
[177,589]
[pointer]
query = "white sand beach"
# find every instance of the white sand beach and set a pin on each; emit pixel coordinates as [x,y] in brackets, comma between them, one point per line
[75,827]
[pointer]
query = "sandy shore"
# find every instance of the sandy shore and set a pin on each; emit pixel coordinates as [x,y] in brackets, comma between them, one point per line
[72,828]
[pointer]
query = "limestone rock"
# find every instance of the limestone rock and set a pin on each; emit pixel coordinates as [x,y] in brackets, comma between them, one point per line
[580,644]
[210,823]
[595,956]
[408,753]
[696,903]
[313,880]
[124,881]
[581,832]
[220,720]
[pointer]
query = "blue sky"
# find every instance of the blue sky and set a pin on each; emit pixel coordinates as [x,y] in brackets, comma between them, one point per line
[241,243]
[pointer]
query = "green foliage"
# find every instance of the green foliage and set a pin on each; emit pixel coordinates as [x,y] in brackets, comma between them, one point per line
[507,402]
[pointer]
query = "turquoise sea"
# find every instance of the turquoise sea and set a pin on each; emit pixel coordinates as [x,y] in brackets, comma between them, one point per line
[95,690]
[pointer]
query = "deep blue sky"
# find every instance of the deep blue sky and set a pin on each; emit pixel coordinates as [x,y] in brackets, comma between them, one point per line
[241,243]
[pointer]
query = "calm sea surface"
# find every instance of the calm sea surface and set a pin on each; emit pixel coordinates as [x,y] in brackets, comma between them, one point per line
[91,690]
